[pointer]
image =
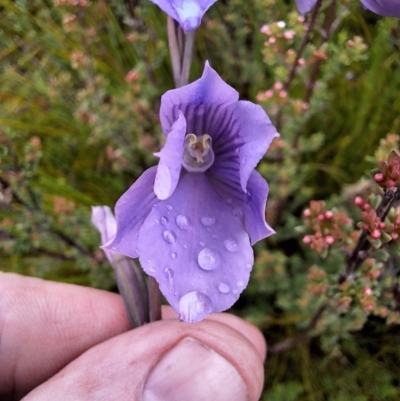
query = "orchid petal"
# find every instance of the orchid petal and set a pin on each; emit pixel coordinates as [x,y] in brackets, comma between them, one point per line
[130,212]
[188,13]
[388,8]
[249,206]
[197,249]
[170,165]
[243,138]
[210,89]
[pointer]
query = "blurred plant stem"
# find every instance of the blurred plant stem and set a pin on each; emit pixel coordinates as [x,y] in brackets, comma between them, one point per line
[304,335]
[293,69]
[181,50]
[154,299]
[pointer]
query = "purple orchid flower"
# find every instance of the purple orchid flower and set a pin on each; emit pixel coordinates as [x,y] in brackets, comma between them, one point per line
[188,13]
[388,8]
[191,220]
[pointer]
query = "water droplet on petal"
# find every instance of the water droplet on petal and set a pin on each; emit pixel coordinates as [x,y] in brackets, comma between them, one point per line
[208,221]
[169,272]
[173,255]
[201,243]
[240,283]
[224,288]
[164,220]
[208,259]
[248,266]
[194,306]
[182,222]
[231,245]
[169,236]
[169,207]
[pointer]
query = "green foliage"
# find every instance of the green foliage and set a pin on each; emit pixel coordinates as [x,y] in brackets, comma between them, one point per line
[80,90]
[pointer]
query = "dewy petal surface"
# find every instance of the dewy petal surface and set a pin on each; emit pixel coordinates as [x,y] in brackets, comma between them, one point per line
[304,6]
[210,89]
[187,13]
[130,212]
[388,8]
[197,249]
[170,165]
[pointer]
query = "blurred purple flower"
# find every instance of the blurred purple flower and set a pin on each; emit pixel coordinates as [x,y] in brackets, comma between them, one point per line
[388,8]
[188,13]
[192,219]
[104,220]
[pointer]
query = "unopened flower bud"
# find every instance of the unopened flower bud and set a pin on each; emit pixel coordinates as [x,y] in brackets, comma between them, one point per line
[358,201]
[269,93]
[306,239]
[375,234]
[328,215]
[379,177]
[329,240]
[307,213]
[278,86]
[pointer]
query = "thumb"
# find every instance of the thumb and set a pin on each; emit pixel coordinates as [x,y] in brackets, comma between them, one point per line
[165,360]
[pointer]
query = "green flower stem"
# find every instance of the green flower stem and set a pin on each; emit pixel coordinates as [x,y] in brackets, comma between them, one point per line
[187,58]
[174,50]
[132,287]
[154,299]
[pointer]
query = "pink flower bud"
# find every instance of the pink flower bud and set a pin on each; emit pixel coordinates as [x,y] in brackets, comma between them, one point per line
[329,240]
[379,177]
[375,234]
[394,236]
[271,40]
[268,94]
[278,86]
[283,94]
[321,217]
[307,213]
[301,62]
[358,201]
[328,215]
[306,239]
[367,291]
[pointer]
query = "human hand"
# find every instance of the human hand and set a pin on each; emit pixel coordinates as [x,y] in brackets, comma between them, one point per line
[66,342]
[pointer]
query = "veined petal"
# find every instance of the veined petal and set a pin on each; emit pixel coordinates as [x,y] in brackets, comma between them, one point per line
[248,206]
[244,136]
[187,13]
[130,212]
[388,8]
[170,165]
[210,89]
[197,249]
[304,6]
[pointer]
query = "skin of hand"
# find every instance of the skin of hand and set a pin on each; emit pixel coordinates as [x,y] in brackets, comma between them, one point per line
[66,342]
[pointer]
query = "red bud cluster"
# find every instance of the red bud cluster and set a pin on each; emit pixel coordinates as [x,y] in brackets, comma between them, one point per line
[389,175]
[328,226]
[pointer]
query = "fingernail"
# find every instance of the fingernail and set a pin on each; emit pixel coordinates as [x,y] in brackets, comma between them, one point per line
[193,371]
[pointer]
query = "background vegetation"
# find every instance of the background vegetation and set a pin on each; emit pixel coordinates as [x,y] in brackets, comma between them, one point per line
[80,86]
